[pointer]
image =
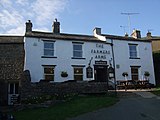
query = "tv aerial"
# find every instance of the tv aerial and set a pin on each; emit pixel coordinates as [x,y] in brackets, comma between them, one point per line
[129,19]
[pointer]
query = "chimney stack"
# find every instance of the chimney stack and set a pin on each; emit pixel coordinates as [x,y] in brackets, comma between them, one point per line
[149,34]
[136,34]
[56,26]
[126,35]
[97,31]
[29,26]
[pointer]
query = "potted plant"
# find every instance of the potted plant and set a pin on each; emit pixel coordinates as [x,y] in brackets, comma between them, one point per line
[125,74]
[146,74]
[64,74]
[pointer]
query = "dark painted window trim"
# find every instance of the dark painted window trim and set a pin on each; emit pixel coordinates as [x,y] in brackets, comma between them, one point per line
[135,66]
[48,40]
[132,44]
[48,57]
[78,42]
[77,58]
[134,58]
[78,65]
[49,65]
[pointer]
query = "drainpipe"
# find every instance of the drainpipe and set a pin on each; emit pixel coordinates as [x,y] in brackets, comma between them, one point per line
[114,65]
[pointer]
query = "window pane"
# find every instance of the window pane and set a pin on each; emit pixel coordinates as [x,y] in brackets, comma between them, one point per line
[132,47]
[49,77]
[77,53]
[48,52]
[49,70]
[77,50]
[49,73]
[78,77]
[49,48]
[16,88]
[49,45]
[133,51]
[77,47]
[11,88]
[78,71]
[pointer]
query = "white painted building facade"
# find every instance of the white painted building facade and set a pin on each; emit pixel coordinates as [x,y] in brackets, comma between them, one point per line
[47,55]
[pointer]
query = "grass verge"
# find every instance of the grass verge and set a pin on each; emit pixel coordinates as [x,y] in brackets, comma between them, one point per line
[156,91]
[69,109]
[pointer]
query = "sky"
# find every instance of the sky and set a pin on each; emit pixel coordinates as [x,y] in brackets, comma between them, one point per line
[81,16]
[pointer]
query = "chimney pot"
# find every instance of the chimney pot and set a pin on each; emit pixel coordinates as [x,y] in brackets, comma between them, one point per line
[126,34]
[149,34]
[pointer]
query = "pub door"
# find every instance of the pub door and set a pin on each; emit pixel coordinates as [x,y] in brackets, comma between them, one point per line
[100,73]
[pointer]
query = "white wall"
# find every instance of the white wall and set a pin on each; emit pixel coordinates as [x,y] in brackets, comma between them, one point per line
[64,54]
[64,61]
[121,50]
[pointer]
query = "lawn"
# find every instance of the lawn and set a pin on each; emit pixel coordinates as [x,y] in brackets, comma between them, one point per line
[72,108]
[156,91]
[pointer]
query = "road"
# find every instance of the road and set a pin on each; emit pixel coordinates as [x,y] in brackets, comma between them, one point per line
[128,108]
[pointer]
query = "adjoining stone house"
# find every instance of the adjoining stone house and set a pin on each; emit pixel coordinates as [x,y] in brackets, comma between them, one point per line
[155,42]
[49,54]
[11,66]
[156,54]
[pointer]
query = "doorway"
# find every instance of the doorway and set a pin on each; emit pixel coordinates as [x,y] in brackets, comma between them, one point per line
[100,73]
[13,95]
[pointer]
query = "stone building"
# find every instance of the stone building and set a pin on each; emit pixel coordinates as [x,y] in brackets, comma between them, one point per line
[155,42]
[11,67]
[156,54]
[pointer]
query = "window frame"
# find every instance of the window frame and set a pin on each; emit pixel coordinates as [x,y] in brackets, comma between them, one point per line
[49,74]
[77,74]
[137,68]
[133,53]
[76,50]
[49,49]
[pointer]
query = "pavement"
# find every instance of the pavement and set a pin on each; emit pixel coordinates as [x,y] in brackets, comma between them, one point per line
[136,105]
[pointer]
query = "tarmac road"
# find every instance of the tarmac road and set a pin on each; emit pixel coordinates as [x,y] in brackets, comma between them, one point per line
[128,108]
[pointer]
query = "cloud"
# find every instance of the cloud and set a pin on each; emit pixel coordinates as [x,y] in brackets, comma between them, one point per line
[13,15]
[44,9]
[10,19]
[16,31]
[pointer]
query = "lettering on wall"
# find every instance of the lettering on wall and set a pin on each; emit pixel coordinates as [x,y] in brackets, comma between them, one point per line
[100,52]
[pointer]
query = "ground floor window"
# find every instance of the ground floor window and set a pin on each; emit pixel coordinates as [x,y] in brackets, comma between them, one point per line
[49,72]
[13,88]
[135,72]
[78,73]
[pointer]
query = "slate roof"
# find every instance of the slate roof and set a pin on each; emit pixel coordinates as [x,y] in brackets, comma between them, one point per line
[90,38]
[11,39]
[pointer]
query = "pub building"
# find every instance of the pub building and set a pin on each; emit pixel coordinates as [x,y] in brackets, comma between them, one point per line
[58,57]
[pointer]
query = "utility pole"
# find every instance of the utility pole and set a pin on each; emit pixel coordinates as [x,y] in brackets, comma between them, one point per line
[129,20]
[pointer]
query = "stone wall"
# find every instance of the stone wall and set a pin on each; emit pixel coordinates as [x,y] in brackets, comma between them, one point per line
[29,89]
[11,61]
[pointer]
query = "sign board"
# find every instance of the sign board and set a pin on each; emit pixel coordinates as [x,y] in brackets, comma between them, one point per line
[101,62]
[89,72]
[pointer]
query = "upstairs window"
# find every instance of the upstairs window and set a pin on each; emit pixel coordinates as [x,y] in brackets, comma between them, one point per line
[77,50]
[133,51]
[48,48]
